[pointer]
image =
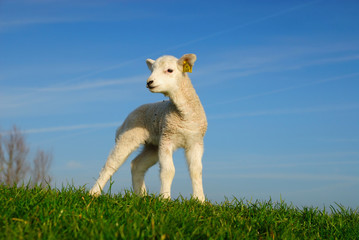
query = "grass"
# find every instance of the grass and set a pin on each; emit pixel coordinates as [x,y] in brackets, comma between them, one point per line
[70,213]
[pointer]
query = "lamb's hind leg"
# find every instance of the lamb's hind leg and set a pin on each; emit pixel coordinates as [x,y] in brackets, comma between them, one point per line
[139,166]
[126,143]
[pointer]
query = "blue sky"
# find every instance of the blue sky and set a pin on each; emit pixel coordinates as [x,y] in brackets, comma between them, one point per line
[278,80]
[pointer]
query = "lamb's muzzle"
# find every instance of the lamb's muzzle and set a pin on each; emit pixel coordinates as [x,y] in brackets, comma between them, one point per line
[149,83]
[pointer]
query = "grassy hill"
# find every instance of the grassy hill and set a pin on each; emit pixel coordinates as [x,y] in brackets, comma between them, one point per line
[70,213]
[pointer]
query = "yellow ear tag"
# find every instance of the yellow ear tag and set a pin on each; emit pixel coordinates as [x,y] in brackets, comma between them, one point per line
[187,67]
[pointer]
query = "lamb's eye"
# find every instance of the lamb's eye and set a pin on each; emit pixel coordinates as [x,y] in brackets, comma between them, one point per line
[169,70]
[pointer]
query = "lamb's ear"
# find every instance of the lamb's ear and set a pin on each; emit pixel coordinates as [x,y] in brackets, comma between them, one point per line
[149,63]
[186,62]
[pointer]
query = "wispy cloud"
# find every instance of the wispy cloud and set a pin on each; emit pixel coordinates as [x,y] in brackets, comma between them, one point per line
[50,20]
[283,176]
[73,165]
[236,70]
[321,61]
[71,128]
[68,128]
[316,177]
[64,12]
[243,25]
[317,109]
[93,84]
[32,21]
[14,99]
[342,140]
[276,161]
[286,89]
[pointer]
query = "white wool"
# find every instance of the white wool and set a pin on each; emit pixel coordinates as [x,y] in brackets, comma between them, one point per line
[162,128]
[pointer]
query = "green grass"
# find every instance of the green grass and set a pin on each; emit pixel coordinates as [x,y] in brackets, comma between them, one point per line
[70,213]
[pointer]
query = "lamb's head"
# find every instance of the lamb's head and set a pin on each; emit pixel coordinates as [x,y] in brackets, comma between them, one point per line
[168,72]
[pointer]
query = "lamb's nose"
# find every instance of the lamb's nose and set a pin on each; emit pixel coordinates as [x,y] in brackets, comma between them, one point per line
[149,83]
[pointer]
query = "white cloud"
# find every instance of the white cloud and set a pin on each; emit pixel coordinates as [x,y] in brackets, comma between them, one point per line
[17,101]
[291,176]
[68,128]
[64,13]
[317,109]
[71,128]
[286,89]
[242,25]
[94,84]
[236,69]
[73,165]
[31,21]
[337,140]
[275,161]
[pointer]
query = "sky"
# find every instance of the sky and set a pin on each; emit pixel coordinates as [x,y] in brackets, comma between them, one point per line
[279,82]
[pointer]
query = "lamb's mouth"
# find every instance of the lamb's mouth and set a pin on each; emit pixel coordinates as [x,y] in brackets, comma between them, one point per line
[151,87]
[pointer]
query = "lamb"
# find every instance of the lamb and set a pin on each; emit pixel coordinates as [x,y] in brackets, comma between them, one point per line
[161,128]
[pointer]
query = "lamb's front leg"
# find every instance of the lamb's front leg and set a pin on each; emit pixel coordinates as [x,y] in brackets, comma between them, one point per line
[167,169]
[194,160]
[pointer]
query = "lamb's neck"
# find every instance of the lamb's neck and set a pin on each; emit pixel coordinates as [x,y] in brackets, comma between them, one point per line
[187,101]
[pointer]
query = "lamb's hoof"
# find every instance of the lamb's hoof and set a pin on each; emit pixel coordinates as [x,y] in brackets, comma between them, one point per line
[165,196]
[200,199]
[95,192]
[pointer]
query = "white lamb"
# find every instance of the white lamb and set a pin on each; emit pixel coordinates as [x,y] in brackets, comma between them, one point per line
[162,128]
